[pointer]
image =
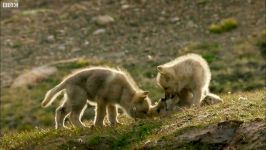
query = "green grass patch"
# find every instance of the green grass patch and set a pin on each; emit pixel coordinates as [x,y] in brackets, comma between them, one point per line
[261,42]
[208,50]
[224,25]
[202,2]
[34,12]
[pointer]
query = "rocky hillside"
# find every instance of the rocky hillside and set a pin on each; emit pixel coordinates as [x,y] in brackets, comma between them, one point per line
[138,35]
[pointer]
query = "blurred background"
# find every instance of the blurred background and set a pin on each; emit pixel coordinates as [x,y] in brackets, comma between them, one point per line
[43,41]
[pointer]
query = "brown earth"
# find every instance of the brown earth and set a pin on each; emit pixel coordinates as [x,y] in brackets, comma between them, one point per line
[144,34]
[230,134]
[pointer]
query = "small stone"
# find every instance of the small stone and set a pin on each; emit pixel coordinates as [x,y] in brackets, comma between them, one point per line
[125,6]
[99,31]
[232,39]
[149,57]
[62,47]
[175,19]
[163,12]
[8,42]
[50,38]
[191,24]
[86,43]
[103,20]
[33,76]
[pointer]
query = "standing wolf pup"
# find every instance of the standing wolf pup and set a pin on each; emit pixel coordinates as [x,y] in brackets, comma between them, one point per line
[105,87]
[186,80]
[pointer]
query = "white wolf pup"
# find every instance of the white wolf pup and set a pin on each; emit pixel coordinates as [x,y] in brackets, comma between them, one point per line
[104,87]
[186,80]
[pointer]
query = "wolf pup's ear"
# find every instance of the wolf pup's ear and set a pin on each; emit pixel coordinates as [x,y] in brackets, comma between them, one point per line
[160,69]
[146,93]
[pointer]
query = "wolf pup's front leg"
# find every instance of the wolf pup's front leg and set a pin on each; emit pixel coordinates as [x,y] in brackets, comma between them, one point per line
[100,114]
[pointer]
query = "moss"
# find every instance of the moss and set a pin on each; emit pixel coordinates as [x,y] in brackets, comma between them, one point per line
[224,25]
[80,63]
[261,42]
[202,2]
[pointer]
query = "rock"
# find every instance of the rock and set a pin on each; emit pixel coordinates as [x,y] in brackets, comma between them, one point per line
[6,79]
[231,134]
[86,43]
[33,76]
[125,6]
[103,20]
[99,31]
[175,19]
[150,57]
[250,135]
[62,47]
[50,38]
[191,24]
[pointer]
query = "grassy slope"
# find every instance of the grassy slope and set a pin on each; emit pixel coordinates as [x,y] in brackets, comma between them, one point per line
[243,106]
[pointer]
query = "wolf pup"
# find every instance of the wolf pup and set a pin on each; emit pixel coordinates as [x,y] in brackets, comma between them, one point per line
[187,80]
[106,88]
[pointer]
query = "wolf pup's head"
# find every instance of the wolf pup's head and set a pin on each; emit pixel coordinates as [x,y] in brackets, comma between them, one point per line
[159,109]
[164,106]
[141,105]
[166,80]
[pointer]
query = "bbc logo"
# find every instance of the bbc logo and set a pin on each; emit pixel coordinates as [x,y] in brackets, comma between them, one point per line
[9,5]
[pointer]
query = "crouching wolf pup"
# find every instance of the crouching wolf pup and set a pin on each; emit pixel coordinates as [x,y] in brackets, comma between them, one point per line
[104,87]
[186,79]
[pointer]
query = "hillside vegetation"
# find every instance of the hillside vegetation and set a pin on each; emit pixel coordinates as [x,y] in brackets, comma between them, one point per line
[143,34]
[238,109]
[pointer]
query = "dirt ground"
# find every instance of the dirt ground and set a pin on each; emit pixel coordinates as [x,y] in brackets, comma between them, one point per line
[144,34]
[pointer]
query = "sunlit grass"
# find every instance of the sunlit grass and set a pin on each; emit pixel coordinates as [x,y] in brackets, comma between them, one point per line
[243,106]
[223,26]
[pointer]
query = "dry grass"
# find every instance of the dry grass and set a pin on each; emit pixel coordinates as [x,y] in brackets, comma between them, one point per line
[242,106]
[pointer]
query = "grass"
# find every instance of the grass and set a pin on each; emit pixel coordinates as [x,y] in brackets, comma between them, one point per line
[241,74]
[224,25]
[34,12]
[243,106]
[261,42]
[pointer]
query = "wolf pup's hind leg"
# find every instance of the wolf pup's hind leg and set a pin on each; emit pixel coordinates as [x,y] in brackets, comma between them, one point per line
[78,99]
[112,115]
[61,113]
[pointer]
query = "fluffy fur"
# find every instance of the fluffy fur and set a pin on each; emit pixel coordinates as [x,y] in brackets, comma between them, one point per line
[186,79]
[106,88]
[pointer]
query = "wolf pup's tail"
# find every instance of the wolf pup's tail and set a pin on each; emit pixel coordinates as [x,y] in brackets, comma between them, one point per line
[51,95]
